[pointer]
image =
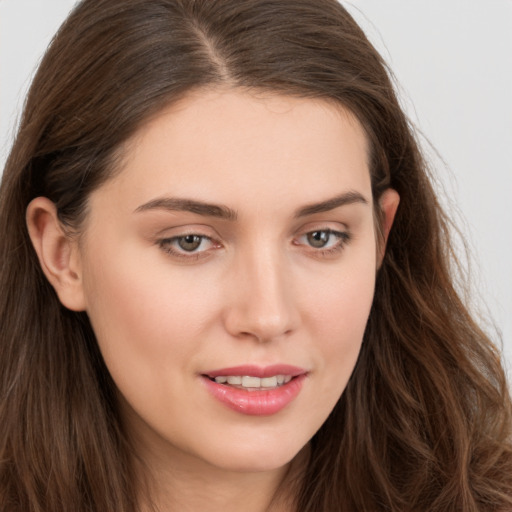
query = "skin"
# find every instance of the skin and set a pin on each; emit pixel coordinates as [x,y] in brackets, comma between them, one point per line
[254,291]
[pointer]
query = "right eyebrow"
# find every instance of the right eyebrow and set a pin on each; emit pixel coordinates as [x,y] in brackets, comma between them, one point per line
[189,205]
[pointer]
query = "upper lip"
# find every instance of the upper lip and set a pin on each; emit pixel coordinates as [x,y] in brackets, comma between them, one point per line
[257,371]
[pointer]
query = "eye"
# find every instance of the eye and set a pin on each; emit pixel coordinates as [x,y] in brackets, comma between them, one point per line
[325,241]
[189,243]
[318,239]
[187,246]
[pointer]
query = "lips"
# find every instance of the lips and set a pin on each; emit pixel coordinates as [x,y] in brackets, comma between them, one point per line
[254,390]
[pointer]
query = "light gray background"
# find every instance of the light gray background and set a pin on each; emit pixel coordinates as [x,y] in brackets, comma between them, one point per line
[453,63]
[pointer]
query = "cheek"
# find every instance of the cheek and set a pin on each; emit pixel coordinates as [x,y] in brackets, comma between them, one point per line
[339,314]
[143,318]
[342,300]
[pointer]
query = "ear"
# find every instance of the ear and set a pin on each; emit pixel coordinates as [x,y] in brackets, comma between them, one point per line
[388,202]
[57,252]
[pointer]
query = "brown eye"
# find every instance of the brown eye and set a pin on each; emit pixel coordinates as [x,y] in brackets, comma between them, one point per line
[189,243]
[318,239]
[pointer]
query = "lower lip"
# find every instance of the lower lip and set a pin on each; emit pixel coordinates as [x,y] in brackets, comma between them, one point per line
[256,403]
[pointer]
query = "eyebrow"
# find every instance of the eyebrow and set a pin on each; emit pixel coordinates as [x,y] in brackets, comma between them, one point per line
[226,213]
[331,204]
[189,205]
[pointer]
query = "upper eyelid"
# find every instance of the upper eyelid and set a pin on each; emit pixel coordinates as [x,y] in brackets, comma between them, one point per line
[208,232]
[205,229]
[332,226]
[184,234]
[336,232]
[323,224]
[216,238]
[186,229]
[174,238]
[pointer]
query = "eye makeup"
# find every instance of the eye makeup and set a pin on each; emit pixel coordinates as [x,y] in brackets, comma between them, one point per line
[322,242]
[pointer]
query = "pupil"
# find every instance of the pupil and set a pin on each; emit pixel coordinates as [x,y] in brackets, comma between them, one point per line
[189,242]
[318,238]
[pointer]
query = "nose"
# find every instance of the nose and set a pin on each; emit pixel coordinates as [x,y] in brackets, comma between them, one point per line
[262,304]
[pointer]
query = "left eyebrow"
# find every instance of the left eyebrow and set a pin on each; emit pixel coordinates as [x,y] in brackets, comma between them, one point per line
[331,204]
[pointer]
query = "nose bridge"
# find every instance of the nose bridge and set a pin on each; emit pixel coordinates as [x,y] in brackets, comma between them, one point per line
[262,304]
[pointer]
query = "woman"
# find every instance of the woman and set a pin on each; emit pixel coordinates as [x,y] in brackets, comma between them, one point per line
[226,278]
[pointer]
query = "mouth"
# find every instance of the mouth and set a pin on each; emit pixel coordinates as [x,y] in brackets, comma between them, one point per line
[252,383]
[256,391]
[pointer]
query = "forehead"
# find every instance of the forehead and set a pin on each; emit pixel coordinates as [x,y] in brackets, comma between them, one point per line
[231,145]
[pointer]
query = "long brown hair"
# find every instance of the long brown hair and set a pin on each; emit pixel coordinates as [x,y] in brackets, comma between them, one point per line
[425,421]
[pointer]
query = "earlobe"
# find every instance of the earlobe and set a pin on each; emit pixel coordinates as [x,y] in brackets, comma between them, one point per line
[389,202]
[57,252]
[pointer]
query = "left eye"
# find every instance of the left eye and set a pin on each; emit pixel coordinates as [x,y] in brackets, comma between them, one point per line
[186,244]
[324,239]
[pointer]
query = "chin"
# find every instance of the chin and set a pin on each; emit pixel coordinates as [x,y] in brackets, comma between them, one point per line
[255,458]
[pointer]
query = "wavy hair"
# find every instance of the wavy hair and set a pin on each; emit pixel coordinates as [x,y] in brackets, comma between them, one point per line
[425,421]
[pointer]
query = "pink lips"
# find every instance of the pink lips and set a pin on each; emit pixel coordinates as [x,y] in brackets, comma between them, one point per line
[260,402]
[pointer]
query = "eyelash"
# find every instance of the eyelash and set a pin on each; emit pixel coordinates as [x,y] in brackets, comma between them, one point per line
[166,244]
[343,238]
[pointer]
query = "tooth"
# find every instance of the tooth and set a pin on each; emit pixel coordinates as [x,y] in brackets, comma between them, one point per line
[250,382]
[269,382]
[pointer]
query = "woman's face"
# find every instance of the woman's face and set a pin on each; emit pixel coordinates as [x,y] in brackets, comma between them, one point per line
[228,272]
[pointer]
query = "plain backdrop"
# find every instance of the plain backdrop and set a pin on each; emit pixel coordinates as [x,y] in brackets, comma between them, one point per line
[453,63]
